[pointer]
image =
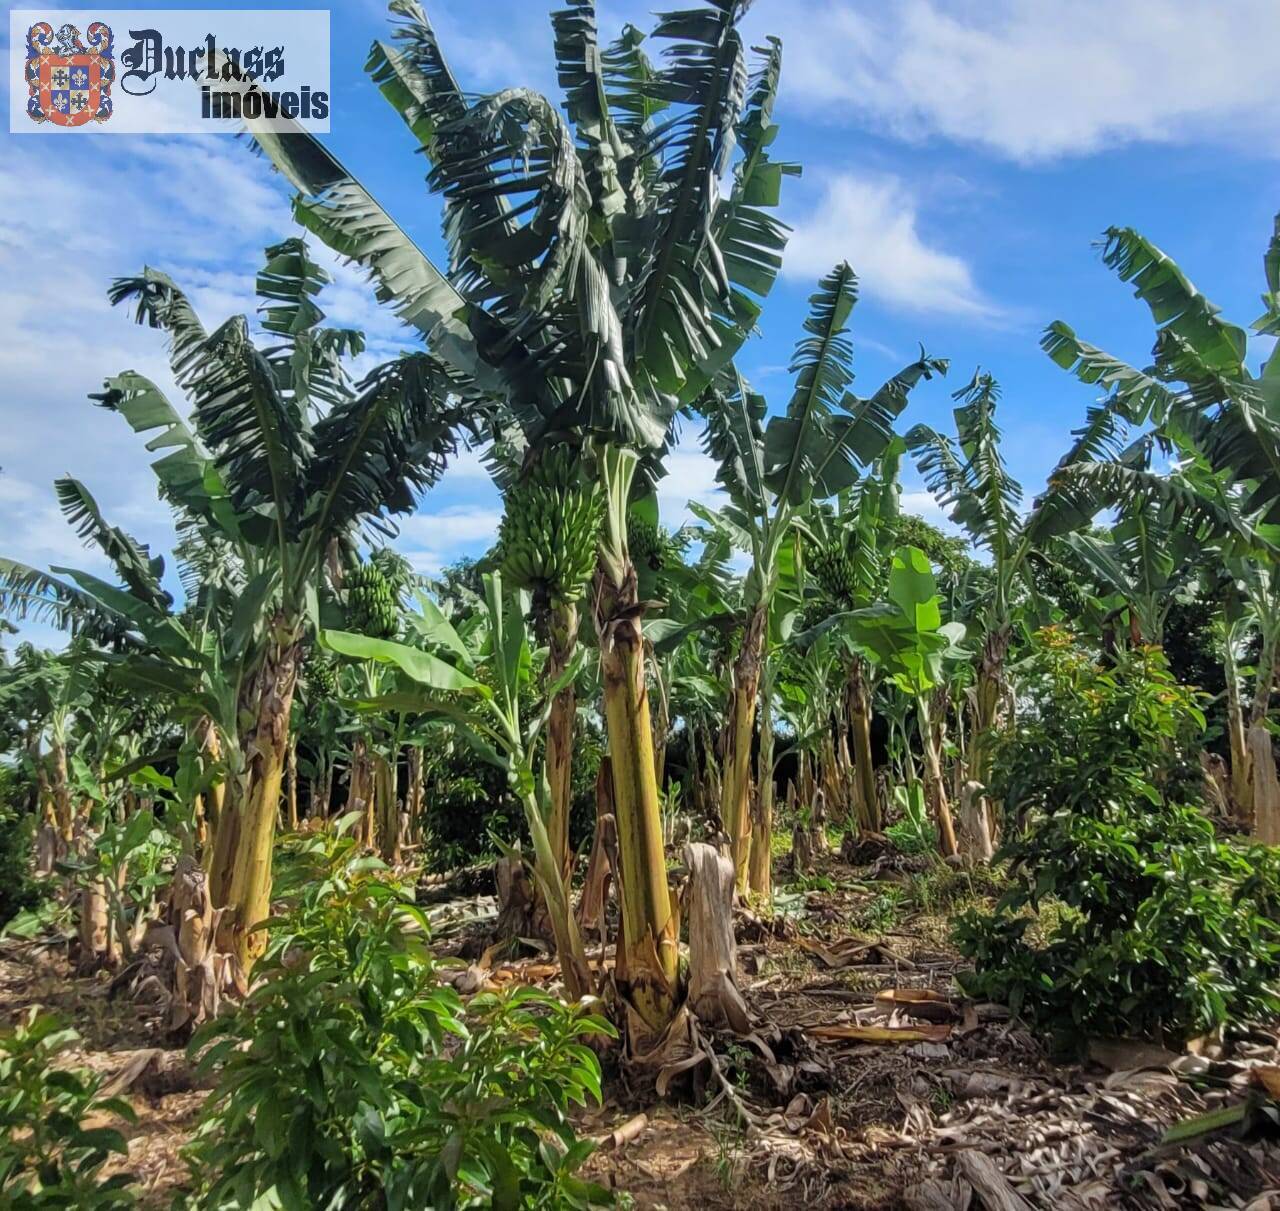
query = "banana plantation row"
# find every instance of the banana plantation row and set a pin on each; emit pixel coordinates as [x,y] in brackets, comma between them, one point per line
[805,653]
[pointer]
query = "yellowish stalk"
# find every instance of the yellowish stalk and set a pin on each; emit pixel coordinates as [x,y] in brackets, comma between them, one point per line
[559,758]
[648,961]
[735,809]
[248,900]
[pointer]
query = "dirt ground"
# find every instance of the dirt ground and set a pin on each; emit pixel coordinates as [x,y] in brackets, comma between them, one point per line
[867,1081]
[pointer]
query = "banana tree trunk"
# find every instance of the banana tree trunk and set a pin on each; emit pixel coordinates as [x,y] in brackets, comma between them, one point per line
[935,781]
[325,800]
[388,823]
[735,809]
[988,699]
[360,790]
[859,707]
[661,729]
[292,772]
[1265,786]
[1264,794]
[648,951]
[64,812]
[417,788]
[248,899]
[559,759]
[1241,794]
[761,872]
[211,747]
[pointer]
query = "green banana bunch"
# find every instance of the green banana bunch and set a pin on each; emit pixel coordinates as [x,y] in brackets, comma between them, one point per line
[320,674]
[834,571]
[547,540]
[372,608]
[647,543]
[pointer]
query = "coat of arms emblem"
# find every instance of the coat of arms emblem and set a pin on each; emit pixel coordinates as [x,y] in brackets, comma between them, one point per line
[69,78]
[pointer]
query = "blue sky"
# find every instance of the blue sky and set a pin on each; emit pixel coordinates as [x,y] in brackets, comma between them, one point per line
[962,156]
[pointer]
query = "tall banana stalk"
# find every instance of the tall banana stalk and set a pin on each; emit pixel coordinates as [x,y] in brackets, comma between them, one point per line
[647,953]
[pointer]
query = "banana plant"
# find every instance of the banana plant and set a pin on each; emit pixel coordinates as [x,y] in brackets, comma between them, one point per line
[905,637]
[971,481]
[284,461]
[1199,390]
[821,446]
[446,683]
[597,281]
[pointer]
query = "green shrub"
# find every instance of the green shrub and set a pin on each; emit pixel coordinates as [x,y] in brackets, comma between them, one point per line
[48,1158]
[352,1077]
[1160,927]
[470,803]
[18,889]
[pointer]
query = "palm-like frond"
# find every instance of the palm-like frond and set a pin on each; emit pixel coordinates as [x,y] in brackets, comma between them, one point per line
[161,304]
[255,435]
[339,211]
[131,559]
[823,366]
[970,479]
[749,239]
[188,478]
[377,451]
[828,435]
[734,438]
[704,79]
[869,430]
[414,76]
[1135,394]
[1269,323]
[206,562]
[1063,506]
[581,74]
[1176,305]
[28,594]
[308,359]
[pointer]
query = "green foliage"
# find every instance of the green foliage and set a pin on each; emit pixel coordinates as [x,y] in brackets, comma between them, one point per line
[882,912]
[18,890]
[471,800]
[353,1077]
[48,1158]
[913,832]
[1163,929]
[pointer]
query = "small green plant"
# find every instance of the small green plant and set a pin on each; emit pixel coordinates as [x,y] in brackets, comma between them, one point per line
[132,861]
[729,1140]
[1157,926]
[912,832]
[882,912]
[353,1077]
[48,1157]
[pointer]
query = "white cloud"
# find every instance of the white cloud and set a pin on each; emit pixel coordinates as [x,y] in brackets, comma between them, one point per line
[691,475]
[873,223]
[458,526]
[1032,79]
[924,504]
